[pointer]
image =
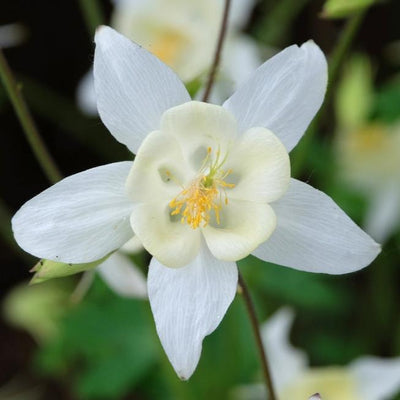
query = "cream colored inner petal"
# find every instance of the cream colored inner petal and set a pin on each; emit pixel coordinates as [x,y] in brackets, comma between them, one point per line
[159,170]
[198,127]
[243,226]
[260,167]
[172,243]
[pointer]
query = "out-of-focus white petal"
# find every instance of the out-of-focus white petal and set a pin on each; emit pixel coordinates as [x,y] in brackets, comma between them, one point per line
[315,396]
[197,126]
[123,276]
[260,167]
[86,95]
[78,220]
[384,212]
[377,378]
[284,93]
[240,12]
[174,244]
[243,226]
[133,88]
[188,304]
[313,234]
[286,362]
[132,246]
[11,35]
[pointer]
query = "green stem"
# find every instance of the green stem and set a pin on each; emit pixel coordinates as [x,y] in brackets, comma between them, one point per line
[335,64]
[82,287]
[256,329]
[41,153]
[218,51]
[92,14]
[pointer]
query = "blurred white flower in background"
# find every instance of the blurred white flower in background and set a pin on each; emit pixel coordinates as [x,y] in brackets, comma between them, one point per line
[366,378]
[368,153]
[183,34]
[209,185]
[11,35]
[121,274]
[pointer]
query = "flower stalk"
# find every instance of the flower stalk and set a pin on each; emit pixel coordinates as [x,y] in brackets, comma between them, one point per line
[244,291]
[44,158]
[218,51]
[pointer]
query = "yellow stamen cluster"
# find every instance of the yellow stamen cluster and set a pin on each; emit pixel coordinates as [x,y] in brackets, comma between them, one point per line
[196,202]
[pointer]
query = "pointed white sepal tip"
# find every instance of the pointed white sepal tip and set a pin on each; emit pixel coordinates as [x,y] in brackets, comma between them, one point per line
[315,396]
[102,31]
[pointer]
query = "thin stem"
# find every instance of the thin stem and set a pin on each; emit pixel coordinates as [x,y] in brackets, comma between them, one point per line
[92,14]
[335,64]
[44,158]
[218,51]
[255,325]
[82,287]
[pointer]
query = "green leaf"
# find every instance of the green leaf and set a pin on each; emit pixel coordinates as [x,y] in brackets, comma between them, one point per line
[344,8]
[387,102]
[38,309]
[107,345]
[47,269]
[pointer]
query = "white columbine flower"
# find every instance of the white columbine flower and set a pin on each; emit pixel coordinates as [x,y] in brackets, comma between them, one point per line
[209,186]
[366,378]
[184,37]
[368,153]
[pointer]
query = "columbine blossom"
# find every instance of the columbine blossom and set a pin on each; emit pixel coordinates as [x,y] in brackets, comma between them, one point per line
[185,39]
[209,185]
[366,378]
[368,152]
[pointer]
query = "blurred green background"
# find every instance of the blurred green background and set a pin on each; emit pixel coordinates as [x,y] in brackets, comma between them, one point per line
[106,347]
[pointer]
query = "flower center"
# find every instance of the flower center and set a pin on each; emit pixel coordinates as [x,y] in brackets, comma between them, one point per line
[205,194]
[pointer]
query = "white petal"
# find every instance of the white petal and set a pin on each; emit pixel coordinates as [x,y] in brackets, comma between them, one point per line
[377,378]
[188,304]
[313,234]
[163,236]
[243,226]
[240,12]
[86,95]
[286,362]
[261,166]
[123,276]
[284,93]
[132,246]
[196,126]
[78,220]
[159,170]
[383,216]
[133,87]
[12,35]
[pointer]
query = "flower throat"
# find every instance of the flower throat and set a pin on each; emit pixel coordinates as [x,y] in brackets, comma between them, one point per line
[203,196]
